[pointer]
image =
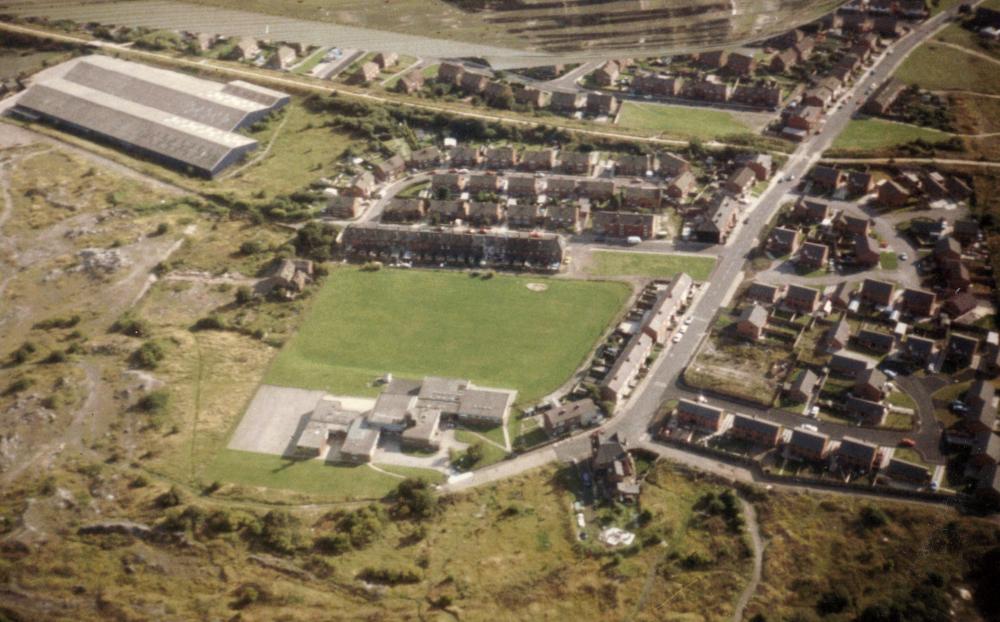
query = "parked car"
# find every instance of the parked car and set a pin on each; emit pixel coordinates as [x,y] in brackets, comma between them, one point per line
[907,442]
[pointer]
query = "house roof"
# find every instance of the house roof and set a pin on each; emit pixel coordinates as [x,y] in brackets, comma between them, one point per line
[570,411]
[987,444]
[918,298]
[879,291]
[844,361]
[485,403]
[876,338]
[827,175]
[810,441]
[814,252]
[805,382]
[840,332]
[902,469]
[755,314]
[857,449]
[701,411]
[742,177]
[866,408]
[763,292]
[920,346]
[609,450]
[872,377]
[802,293]
[960,304]
[785,236]
[755,425]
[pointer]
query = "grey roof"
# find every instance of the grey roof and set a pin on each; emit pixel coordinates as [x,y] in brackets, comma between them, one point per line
[805,382]
[753,424]
[902,469]
[877,290]
[755,314]
[570,411]
[328,416]
[845,362]
[814,252]
[987,443]
[360,440]
[391,408]
[981,391]
[485,403]
[810,441]
[840,332]
[763,292]
[799,292]
[873,377]
[609,450]
[708,413]
[857,449]
[182,140]
[169,91]
[865,408]
[876,338]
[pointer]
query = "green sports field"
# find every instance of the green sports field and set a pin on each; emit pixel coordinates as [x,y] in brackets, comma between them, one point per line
[496,332]
[657,265]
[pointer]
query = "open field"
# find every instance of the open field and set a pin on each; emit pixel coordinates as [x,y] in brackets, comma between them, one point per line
[312,477]
[942,68]
[496,332]
[876,134]
[835,554]
[680,121]
[657,265]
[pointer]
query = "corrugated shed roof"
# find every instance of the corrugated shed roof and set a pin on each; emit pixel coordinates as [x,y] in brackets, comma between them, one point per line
[184,140]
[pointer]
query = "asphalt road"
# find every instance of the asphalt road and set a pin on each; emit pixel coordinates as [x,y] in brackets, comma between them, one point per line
[662,380]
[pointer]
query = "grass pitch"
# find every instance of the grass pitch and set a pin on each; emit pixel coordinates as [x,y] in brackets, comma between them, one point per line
[680,121]
[875,134]
[496,332]
[657,265]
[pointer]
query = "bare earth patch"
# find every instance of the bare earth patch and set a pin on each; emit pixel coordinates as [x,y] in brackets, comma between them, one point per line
[537,287]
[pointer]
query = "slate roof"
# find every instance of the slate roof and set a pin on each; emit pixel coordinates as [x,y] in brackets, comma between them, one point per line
[857,449]
[813,442]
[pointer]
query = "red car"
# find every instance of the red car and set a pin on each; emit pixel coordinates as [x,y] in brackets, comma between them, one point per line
[907,442]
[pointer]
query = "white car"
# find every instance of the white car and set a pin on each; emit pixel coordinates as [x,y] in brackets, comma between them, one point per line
[677,338]
[689,319]
[682,329]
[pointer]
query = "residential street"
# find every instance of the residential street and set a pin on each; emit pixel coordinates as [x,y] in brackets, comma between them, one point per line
[661,382]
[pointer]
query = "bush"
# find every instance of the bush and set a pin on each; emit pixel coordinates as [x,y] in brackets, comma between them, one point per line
[372,266]
[19,385]
[279,532]
[873,517]
[56,356]
[244,295]
[58,322]
[154,402]
[316,241]
[335,544]
[161,229]
[834,601]
[149,355]
[211,322]
[132,326]
[171,498]
[414,499]
[252,247]
[389,576]
[23,353]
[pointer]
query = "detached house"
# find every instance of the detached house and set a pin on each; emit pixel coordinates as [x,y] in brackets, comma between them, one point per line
[784,241]
[752,322]
[801,299]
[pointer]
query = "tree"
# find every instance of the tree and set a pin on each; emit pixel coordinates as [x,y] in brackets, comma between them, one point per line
[244,295]
[414,499]
[316,241]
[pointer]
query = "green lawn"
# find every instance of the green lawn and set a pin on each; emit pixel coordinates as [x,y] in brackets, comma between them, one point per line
[307,65]
[491,453]
[875,134]
[615,263]
[888,261]
[680,121]
[310,476]
[413,323]
[937,67]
